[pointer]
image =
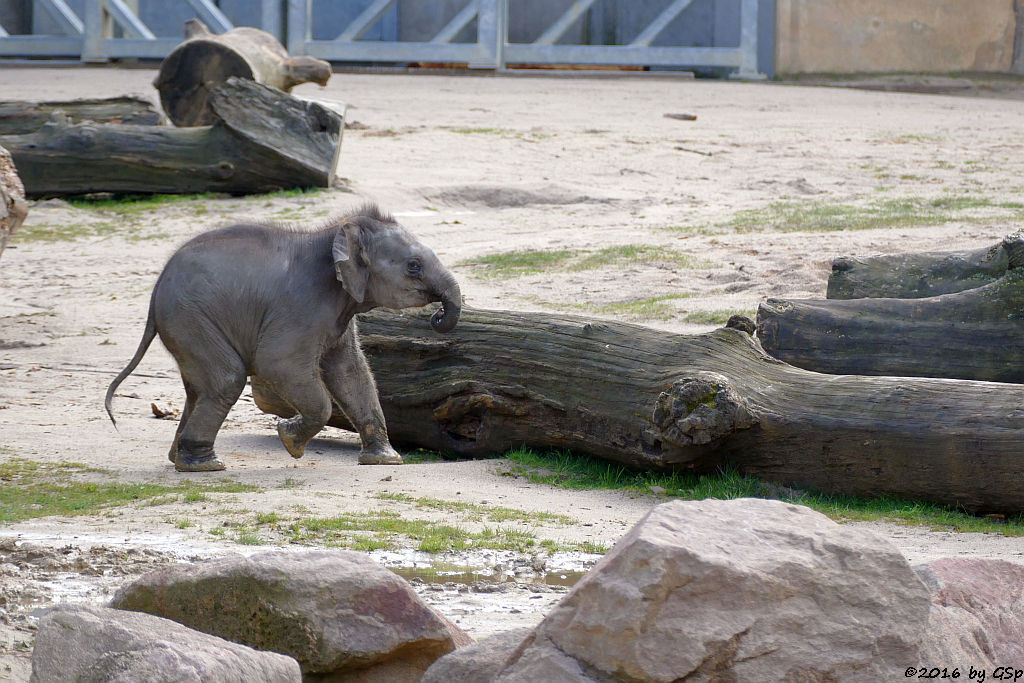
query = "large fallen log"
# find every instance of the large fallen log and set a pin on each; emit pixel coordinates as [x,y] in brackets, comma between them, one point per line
[975,333]
[18,117]
[205,60]
[263,140]
[918,275]
[649,399]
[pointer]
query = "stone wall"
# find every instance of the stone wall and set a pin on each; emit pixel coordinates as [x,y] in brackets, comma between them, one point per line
[881,36]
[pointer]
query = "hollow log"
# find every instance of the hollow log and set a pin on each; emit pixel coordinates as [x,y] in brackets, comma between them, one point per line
[205,60]
[918,275]
[975,333]
[13,207]
[649,399]
[18,117]
[263,140]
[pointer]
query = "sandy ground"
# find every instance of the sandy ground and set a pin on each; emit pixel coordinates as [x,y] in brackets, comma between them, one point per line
[475,166]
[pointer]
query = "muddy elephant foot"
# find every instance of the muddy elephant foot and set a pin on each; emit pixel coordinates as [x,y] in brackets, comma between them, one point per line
[292,436]
[208,463]
[194,456]
[380,455]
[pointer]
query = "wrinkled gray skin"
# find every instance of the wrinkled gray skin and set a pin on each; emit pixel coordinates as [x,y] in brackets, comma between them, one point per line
[264,301]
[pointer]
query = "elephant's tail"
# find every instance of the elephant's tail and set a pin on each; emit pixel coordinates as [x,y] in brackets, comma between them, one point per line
[147,339]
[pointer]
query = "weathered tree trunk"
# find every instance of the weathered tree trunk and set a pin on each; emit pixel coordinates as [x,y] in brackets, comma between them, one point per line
[263,140]
[205,60]
[914,276]
[19,117]
[13,208]
[975,333]
[654,400]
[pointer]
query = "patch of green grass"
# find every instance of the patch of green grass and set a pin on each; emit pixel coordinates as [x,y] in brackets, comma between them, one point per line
[905,212]
[527,262]
[482,131]
[183,523]
[387,529]
[248,537]
[267,518]
[472,511]
[567,470]
[645,254]
[517,263]
[65,232]
[35,489]
[132,205]
[716,317]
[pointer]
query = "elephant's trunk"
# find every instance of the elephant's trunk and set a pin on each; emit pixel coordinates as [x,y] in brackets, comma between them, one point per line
[445,318]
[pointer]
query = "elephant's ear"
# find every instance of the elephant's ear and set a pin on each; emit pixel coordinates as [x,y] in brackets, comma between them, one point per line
[349,261]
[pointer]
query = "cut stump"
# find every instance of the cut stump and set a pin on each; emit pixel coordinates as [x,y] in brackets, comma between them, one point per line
[13,207]
[653,400]
[263,140]
[205,60]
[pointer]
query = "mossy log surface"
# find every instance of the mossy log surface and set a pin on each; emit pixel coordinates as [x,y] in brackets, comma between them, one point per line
[919,275]
[649,399]
[18,117]
[975,333]
[263,140]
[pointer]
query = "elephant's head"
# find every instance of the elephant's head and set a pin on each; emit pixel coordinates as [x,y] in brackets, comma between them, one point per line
[380,263]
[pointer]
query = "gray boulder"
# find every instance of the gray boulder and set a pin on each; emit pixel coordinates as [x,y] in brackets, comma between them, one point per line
[479,662]
[977,614]
[94,644]
[745,590]
[336,612]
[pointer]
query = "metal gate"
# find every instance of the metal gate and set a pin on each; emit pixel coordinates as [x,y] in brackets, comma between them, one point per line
[481,34]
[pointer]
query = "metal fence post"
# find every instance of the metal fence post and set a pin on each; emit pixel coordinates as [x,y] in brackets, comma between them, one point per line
[492,34]
[298,26]
[93,32]
[748,42]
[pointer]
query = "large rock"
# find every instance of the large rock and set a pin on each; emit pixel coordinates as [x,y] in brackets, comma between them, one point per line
[478,663]
[977,614]
[80,643]
[743,590]
[336,612]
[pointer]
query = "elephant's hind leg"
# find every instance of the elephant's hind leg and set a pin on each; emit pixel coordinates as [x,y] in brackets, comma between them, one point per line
[216,376]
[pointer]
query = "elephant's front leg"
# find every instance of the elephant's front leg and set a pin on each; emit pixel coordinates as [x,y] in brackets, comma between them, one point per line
[348,378]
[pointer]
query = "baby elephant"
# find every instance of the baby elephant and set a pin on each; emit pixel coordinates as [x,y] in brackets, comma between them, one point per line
[275,303]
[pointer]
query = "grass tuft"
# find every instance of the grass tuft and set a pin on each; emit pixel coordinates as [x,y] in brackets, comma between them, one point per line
[567,470]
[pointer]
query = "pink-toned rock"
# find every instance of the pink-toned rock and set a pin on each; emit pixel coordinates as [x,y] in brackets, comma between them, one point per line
[338,613]
[977,614]
[743,590]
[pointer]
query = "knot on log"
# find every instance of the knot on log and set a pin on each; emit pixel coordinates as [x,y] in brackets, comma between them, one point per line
[465,416]
[741,323]
[1014,247]
[699,410]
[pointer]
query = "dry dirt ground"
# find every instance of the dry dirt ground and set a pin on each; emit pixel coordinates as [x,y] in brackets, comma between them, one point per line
[669,222]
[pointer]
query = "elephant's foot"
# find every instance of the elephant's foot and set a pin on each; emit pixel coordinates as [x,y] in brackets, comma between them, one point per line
[294,435]
[185,463]
[195,456]
[380,455]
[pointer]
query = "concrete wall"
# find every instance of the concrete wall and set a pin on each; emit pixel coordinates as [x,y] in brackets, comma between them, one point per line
[863,36]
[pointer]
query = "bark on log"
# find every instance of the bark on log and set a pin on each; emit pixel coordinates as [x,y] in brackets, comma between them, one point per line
[18,117]
[654,400]
[205,60]
[263,140]
[975,333]
[13,207]
[914,276]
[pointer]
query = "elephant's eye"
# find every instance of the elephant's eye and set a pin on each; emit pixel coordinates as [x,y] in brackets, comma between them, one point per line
[413,267]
